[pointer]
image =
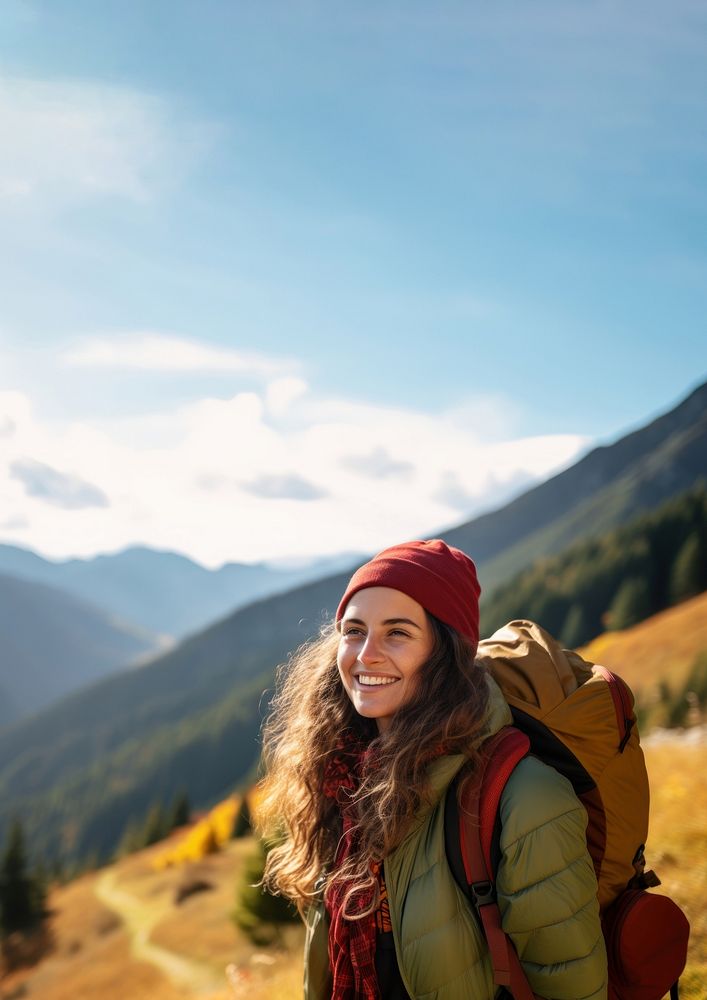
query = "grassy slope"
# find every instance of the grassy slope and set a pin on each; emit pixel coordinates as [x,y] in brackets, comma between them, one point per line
[677,844]
[662,648]
[93,952]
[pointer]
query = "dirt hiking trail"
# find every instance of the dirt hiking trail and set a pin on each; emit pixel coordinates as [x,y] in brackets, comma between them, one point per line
[140,917]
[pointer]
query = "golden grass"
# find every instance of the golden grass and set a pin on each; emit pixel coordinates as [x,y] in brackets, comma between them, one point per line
[285,983]
[677,844]
[91,954]
[662,648]
[90,958]
[201,929]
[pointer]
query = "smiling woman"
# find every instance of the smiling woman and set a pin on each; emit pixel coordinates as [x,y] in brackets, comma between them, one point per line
[386,637]
[371,727]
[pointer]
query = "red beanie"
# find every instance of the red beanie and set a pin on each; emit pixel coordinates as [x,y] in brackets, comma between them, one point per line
[440,578]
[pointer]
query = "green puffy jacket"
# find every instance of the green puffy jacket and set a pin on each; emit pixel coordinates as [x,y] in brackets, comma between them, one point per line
[546,893]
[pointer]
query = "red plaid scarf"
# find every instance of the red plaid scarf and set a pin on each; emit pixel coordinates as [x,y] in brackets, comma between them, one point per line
[352,943]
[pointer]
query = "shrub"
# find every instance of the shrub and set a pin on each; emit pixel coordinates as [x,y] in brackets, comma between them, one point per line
[22,894]
[692,697]
[258,913]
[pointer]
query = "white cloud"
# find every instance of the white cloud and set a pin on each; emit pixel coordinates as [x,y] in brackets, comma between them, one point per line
[284,486]
[14,523]
[159,352]
[7,426]
[63,489]
[15,407]
[68,139]
[232,481]
[377,464]
[282,392]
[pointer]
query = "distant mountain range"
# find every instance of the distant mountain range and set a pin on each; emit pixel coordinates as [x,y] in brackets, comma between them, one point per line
[69,623]
[52,643]
[79,771]
[163,592]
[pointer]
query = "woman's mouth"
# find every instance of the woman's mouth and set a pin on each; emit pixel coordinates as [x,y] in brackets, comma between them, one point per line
[375,680]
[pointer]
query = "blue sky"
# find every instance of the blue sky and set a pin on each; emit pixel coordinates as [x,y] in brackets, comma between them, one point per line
[295,278]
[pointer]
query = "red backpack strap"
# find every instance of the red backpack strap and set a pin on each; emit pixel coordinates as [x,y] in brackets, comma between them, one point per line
[478,809]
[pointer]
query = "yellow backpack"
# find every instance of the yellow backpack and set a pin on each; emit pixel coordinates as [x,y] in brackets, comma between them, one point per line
[579,717]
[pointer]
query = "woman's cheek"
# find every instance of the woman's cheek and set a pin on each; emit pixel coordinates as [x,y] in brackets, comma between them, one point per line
[345,681]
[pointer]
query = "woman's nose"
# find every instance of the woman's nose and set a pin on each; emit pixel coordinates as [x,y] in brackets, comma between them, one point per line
[370,651]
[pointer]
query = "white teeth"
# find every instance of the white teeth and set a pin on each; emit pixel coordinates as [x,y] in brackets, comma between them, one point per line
[370,680]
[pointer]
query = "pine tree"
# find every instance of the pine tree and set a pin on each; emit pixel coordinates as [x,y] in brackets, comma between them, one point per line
[21,895]
[697,680]
[688,572]
[156,825]
[181,811]
[257,912]
[41,880]
[242,825]
[631,603]
[132,839]
[574,631]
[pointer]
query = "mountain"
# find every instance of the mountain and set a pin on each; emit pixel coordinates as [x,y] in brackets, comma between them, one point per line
[164,592]
[191,718]
[608,486]
[615,579]
[51,644]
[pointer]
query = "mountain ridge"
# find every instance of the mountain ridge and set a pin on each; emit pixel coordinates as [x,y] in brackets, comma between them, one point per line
[527,521]
[165,592]
[54,643]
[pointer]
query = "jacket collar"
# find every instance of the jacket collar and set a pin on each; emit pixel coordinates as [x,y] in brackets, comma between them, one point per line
[443,769]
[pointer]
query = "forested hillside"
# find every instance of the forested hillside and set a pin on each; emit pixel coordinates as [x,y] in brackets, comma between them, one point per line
[612,581]
[606,488]
[80,771]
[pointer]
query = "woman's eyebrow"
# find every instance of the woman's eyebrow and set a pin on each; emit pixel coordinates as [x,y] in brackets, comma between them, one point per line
[401,621]
[388,621]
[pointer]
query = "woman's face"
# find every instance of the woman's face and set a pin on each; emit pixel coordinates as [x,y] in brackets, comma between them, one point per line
[386,636]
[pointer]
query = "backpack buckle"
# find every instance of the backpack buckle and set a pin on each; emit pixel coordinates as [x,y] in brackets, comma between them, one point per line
[483,893]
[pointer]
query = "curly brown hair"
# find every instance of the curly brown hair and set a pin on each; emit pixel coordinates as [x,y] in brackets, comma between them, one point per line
[310,711]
